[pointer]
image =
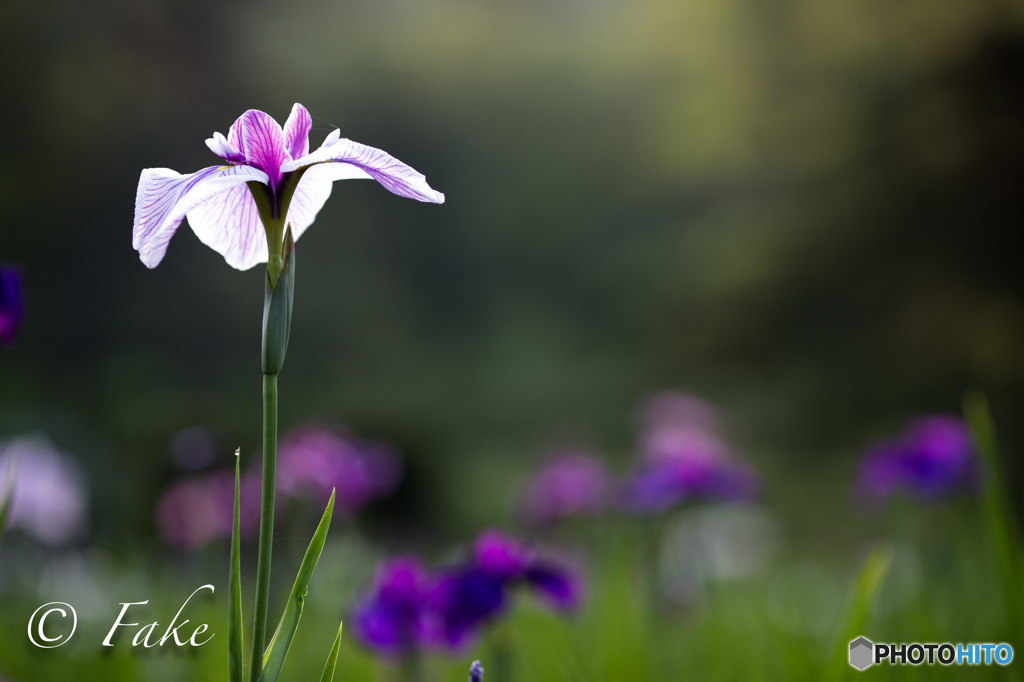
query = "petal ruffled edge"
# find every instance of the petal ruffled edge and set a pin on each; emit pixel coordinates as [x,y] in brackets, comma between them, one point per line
[164,197]
[361,161]
[220,146]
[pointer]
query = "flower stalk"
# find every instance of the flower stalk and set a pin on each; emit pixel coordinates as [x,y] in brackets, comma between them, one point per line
[277,318]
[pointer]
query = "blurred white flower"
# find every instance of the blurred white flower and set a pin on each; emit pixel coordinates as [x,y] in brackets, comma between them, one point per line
[50,499]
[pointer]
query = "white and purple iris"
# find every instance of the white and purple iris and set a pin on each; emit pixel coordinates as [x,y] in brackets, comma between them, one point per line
[263,162]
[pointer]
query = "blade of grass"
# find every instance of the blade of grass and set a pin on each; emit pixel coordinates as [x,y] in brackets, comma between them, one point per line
[332,658]
[6,497]
[866,588]
[235,589]
[997,516]
[273,659]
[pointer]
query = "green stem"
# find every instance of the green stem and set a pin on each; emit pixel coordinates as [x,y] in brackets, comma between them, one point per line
[259,622]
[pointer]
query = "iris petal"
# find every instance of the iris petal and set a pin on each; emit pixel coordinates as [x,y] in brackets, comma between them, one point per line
[263,143]
[296,131]
[164,197]
[219,145]
[395,176]
[230,225]
[557,586]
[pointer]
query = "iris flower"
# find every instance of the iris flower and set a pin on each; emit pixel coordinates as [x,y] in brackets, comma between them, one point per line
[395,620]
[268,175]
[933,458]
[316,460]
[570,483]
[471,595]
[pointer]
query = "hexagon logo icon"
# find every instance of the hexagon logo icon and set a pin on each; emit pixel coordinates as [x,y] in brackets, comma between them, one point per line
[862,652]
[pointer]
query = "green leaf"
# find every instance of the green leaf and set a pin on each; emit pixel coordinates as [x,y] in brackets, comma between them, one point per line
[866,588]
[332,658]
[273,659]
[6,497]
[997,516]
[235,589]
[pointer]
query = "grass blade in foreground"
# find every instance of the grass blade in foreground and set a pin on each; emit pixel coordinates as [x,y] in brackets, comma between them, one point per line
[273,659]
[235,590]
[332,659]
[997,518]
[6,495]
[866,588]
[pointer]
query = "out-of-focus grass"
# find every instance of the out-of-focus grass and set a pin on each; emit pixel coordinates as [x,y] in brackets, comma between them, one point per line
[751,628]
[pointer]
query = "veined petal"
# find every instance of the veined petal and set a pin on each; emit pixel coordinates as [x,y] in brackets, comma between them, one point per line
[230,225]
[296,131]
[262,143]
[310,196]
[219,145]
[165,196]
[395,176]
[235,133]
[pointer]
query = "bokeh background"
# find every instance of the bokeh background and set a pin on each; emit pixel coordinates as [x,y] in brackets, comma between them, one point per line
[805,212]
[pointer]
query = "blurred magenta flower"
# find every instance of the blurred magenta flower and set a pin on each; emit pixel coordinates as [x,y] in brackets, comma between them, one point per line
[219,203]
[197,510]
[50,502]
[570,483]
[683,458]
[932,458]
[12,303]
[471,595]
[314,460]
[396,619]
[675,426]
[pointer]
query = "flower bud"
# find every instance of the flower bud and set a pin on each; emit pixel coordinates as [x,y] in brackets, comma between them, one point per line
[277,310]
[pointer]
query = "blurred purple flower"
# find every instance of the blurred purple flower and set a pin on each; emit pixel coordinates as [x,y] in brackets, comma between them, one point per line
[196,510]
[471,595]
[217,199]
[50,502]
[570,483]
[656,489]
[396,619]
[314,460]
[12,304]
[933,458]
[684,457]
[476,672]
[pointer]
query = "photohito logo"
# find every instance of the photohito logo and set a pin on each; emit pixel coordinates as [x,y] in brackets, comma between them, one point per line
[864,653]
